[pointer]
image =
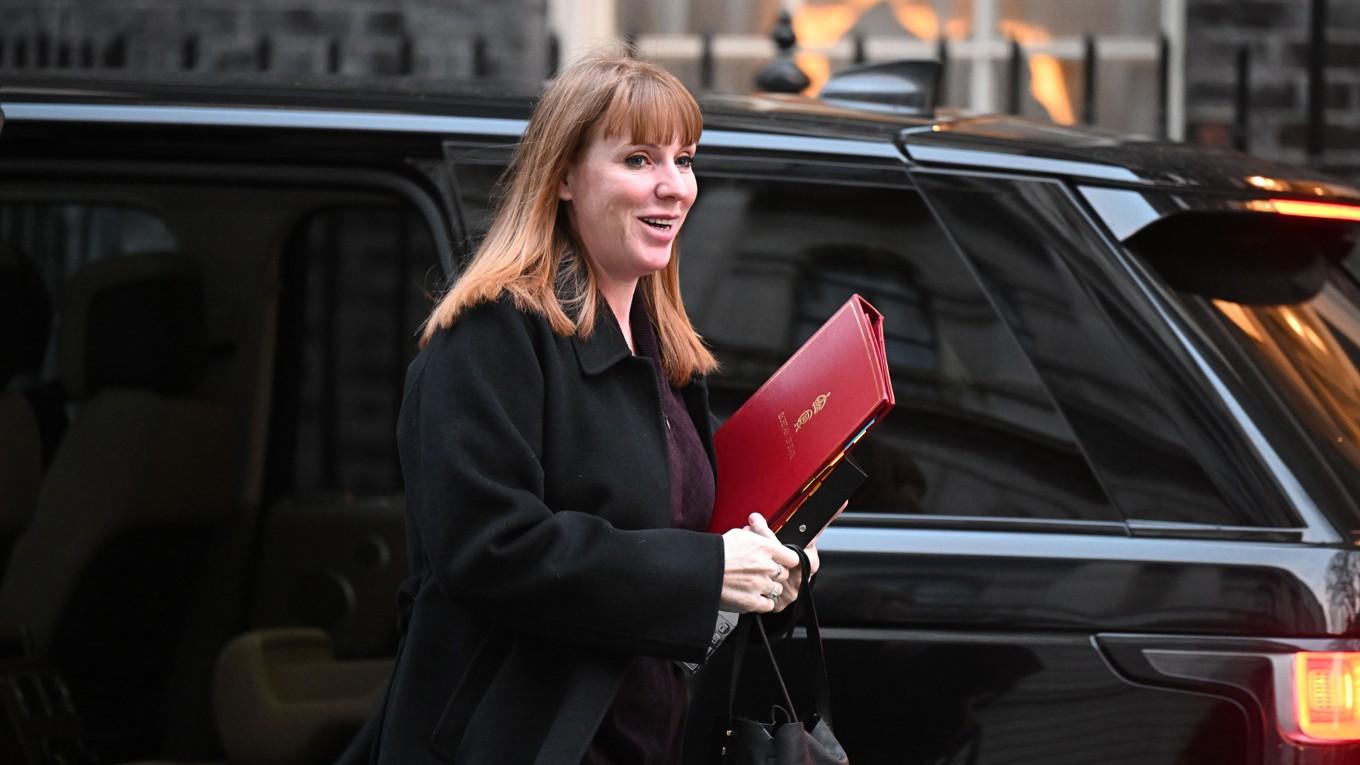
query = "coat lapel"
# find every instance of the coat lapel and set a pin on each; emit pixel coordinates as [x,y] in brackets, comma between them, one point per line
[604,348]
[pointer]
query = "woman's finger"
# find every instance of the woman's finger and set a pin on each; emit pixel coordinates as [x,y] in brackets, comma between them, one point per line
[814,558]
[757,523]
[788,596]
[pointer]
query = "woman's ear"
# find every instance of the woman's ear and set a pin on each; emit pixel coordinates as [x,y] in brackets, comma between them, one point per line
[564,188]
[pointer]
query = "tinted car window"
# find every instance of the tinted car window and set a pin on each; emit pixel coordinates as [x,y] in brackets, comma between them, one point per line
[476,170]
[59,238]
[1278,301]
[975,433]
[358,282]
[1055,281]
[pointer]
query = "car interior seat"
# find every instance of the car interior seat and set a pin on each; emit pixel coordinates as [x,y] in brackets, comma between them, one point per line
[104,575]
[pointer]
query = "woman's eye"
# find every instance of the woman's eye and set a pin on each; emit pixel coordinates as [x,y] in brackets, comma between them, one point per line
[685,162]
[637,160]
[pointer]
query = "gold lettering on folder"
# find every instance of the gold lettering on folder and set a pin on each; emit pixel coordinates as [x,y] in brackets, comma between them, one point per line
[788,437]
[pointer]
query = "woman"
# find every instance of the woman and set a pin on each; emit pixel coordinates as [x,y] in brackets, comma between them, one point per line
[556,445]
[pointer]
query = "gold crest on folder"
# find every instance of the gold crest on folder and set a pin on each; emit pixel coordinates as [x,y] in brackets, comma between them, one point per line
[817,405]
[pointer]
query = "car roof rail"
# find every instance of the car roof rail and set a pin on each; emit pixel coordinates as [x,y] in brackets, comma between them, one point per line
[905,86]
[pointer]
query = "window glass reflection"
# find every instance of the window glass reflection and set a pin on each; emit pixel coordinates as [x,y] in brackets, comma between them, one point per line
[1311,351]
[974,433]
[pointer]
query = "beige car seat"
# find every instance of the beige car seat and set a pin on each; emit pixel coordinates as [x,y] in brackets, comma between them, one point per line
[104,576]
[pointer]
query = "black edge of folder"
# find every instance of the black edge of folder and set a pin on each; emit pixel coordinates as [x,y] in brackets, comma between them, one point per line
[819,508]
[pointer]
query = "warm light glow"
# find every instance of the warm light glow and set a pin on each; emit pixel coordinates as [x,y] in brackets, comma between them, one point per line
[1238,317]
[1050,88]
[1292,321]
[1312,209]
[1315,340]
[1326,686]
[959,28]
[817,67]
[1269,184]
[823,24]
[918,18]
[1046,81]
[820,26]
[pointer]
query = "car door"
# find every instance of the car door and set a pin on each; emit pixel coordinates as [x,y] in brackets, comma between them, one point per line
[1222,545]
[962,590]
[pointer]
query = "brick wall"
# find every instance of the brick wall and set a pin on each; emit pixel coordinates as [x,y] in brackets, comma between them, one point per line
[279,38]
[1276,34]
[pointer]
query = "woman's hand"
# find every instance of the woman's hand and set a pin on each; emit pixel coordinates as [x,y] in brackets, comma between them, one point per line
[789,593]
[755,570]
[795,578]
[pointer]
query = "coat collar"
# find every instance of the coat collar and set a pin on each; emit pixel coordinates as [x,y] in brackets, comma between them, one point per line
[605,347]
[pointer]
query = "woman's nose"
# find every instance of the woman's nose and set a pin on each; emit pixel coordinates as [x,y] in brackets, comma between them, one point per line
[670,184]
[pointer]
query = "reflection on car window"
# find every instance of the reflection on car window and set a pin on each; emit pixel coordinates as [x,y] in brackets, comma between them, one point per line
[974,432]
[1155,453]
[476,173]
[1311,351]
[59,239]
[357,283]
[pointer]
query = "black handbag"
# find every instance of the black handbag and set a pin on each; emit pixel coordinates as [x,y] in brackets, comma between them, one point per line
[786,739]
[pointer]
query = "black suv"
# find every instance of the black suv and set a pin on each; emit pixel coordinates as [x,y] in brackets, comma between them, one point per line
[1113,519]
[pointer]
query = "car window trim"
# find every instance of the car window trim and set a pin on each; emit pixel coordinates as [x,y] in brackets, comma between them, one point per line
[1175,530]
[334,119]
[1028,544]
[980,522]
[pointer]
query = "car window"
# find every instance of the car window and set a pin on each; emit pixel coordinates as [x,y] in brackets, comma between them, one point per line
[357,281]
[476,169]
[59,238]
[1051,275]
[1275,300]
[974,433]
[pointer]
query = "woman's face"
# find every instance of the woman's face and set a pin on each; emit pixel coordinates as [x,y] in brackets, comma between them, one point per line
[628,201]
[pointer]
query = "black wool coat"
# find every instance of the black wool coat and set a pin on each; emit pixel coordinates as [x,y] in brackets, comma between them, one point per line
[538,520]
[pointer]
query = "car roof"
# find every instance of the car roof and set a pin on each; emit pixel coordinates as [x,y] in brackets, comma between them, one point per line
[947,139]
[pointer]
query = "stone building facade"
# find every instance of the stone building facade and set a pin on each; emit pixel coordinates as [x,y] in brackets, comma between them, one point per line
[1275,34]
[434,39]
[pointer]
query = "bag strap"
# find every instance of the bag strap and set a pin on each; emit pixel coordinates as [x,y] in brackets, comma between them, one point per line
[821,686]
[738,655]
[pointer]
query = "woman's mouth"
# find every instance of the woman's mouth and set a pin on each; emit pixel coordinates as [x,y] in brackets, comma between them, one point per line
[660,224]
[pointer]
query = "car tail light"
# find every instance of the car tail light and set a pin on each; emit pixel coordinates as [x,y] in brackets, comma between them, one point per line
[1327,697]
[1305,209]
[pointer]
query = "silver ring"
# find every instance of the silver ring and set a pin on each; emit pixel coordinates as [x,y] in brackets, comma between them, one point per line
[778,571]
[773,594]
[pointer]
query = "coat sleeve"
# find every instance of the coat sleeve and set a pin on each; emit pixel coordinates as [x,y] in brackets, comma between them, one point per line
[477,497]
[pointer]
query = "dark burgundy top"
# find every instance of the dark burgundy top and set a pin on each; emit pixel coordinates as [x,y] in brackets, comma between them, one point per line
[646,723]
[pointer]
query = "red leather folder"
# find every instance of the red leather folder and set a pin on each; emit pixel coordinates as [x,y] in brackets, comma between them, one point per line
[785,441]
